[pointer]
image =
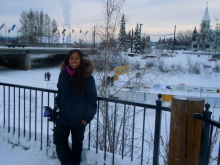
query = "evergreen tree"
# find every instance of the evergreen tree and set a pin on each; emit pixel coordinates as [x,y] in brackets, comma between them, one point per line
[137,41]
[129,36]
[194,34]
[122,35]
[159,42]
[143,43]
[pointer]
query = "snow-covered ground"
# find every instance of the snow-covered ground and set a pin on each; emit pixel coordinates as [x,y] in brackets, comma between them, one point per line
[207,78]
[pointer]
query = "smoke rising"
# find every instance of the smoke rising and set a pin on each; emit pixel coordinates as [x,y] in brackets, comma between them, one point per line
[67,6]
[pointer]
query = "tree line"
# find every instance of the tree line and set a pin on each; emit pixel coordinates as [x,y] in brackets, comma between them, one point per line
[35,26]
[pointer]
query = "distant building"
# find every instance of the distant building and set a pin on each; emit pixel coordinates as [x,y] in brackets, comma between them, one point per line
[207,39]
[7,39]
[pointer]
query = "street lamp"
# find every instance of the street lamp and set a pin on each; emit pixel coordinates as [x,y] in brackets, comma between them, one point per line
[63,33]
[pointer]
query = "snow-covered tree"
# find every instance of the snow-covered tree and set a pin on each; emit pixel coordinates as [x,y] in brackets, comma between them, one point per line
[215,38]
[122,35]
[159,41]
[143,43]
[137,41]
[194,34]
[129,36]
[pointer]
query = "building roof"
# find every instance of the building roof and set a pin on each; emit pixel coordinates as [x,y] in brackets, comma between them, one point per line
[206,15]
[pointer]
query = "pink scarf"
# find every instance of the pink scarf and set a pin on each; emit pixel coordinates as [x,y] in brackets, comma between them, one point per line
[70,71]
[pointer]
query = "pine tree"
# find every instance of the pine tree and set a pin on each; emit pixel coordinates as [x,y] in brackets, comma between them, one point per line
[122,35]
[194,34]
[137,41]
[129,36]
[143,43]
[159,41]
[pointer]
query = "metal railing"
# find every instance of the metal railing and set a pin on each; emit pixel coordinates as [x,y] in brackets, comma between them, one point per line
[119,126]
[206,136]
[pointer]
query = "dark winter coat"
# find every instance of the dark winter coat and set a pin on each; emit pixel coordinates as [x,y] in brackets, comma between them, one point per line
[74,106]
[48,75]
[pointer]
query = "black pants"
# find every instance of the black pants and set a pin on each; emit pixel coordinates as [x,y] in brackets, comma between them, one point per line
[66,155]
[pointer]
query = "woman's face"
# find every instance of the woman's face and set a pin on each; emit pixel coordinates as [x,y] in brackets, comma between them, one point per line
[74,60]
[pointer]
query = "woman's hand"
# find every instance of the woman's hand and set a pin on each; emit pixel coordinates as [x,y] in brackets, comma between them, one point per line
[84,122]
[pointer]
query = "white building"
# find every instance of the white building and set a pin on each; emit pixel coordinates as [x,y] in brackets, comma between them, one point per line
[207,39]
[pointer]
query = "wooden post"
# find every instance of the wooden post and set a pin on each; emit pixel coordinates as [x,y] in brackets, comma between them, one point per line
[185,132]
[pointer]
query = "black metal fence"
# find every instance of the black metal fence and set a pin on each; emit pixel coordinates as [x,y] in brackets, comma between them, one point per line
[206,136]
[119,127]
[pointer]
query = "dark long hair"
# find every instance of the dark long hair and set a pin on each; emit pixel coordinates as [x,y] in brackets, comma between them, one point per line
[79,77]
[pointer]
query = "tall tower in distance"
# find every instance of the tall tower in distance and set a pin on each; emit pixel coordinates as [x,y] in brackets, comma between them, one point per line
[205,20]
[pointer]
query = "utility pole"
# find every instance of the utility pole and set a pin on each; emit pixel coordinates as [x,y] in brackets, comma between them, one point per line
[140,28]
[5,33]
[48,34]
[131,39]
[164,41]
[174,37]
[94,36]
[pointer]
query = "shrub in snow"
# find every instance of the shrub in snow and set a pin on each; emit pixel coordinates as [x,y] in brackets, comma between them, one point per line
[148,50]
[176,68]
[136,65]
[216,69]
[161,66]
[194,67]
[164,55]
[149,64]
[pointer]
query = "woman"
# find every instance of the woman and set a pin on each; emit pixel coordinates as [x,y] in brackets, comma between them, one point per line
[76,101]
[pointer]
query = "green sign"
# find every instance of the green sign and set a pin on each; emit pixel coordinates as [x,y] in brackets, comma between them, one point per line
[138,75]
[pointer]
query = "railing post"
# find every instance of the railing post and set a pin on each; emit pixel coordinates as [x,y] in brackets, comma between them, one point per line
[218,154]
[185,132]
[89,134]
[204,154]
[157,130]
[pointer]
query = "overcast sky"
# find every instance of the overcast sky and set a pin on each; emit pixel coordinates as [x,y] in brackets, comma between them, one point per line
[157,16]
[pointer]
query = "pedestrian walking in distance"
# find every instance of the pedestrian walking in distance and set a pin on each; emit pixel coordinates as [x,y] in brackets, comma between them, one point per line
[45,76]
[48,76]
[76,101]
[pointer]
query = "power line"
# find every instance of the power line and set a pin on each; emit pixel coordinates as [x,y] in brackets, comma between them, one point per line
[162,35]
